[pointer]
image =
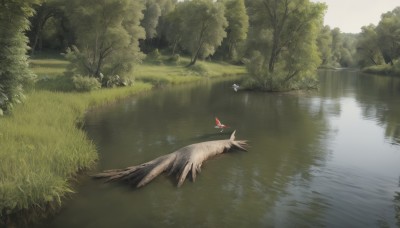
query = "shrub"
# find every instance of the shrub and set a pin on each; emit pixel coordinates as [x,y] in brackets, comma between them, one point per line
[378,69]
[85,84]
[198,69]
[175,58]
[155,54]
[117,81]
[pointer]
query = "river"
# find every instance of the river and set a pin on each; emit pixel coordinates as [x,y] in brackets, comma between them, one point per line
[326,158]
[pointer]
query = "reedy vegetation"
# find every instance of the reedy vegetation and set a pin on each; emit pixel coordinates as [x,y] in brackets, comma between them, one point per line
[42,147]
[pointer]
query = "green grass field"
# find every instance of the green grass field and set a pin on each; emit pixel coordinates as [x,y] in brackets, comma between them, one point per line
[42,147]
[165,72]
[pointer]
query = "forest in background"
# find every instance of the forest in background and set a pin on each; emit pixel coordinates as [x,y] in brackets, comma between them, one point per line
[280,42]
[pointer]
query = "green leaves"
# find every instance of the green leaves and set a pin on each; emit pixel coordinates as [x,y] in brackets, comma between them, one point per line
[107,34]
[201,24]
[388,31]
[14,72]
[284,34]
[150,19]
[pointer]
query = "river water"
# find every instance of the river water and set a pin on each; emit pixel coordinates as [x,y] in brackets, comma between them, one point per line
[327,158]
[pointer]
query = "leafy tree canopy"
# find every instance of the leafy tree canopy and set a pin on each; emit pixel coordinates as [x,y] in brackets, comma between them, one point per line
[388,31]
[107,33]
[14,71]
[285,54]
[202,26]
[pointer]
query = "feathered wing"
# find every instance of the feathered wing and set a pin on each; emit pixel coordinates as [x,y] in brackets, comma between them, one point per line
[217,122]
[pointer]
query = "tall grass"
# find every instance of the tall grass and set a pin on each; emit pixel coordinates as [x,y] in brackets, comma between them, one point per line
[42,148]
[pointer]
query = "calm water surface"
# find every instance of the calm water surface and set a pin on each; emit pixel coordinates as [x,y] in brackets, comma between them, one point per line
[325,158]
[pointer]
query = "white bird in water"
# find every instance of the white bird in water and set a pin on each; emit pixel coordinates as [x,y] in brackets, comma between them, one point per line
[235,87]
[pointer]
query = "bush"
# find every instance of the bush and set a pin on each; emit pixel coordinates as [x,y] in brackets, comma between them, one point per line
[117,81]
[85,84]
[385,69]
[154,57]
[378,69]
[155,54]
[175,58]
[61,83]
[198,69]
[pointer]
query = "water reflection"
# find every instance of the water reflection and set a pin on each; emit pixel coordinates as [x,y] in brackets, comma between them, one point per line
[316,158]
[378,97]
[385,104]
[397,206]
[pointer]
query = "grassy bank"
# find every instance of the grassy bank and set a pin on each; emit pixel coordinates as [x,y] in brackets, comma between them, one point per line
[164,72]
[385,69]
[42,146]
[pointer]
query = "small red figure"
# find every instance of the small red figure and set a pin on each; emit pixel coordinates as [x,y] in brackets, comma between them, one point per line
[220,125]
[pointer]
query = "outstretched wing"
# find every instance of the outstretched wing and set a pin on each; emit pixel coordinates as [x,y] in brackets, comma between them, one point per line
[217,122]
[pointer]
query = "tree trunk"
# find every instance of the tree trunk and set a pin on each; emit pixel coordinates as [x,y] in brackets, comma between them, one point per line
[174,47]
[195,57]
[180,163]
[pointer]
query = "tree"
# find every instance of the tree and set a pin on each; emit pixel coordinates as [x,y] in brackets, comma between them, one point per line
[238,26]
[348,50]
[324,42]
[14,71]
[50,27]
[388,31]
[150,19]
[367,47]
[174,23]
[166,6]
[202,27]
[44,12]
[107,33]
[288,56]
[343,48]
[337,45]
[155,23]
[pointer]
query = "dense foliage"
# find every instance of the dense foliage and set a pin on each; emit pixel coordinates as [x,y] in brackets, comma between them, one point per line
[238,26]
[14,71]
[202,25]
[107,34]
[284,51]
[282,42]
[379,46]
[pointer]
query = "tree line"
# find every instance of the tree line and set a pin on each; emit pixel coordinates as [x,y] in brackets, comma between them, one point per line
[281,43]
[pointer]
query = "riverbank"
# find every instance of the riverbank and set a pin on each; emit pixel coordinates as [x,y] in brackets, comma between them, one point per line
[42,144]
[385,69]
